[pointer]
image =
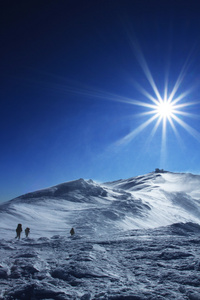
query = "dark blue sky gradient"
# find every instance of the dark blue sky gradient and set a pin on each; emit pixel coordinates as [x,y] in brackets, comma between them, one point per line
[57,55]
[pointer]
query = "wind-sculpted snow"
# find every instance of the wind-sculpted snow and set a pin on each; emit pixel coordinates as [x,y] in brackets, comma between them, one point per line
[134,239]
[146,201]
[68,191]
[141,264]
[135,183]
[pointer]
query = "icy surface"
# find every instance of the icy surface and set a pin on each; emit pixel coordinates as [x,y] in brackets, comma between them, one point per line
[134,239]
[140,264]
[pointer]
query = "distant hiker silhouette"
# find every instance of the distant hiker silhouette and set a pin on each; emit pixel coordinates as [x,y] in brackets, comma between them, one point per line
[72,232]
[27,231]
[19,230]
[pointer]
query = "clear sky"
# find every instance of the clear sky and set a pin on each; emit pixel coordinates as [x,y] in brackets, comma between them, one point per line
[77,83]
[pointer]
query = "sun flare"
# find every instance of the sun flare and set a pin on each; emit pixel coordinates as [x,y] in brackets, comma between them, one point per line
[165,109]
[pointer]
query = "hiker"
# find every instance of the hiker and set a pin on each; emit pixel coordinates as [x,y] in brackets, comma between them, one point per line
[72,232]
[27,231]
[19,230]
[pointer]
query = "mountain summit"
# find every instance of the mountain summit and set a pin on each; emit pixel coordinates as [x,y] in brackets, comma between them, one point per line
[147,201]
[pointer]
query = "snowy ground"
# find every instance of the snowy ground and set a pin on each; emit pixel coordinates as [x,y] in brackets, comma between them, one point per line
[135,239]
[152,264]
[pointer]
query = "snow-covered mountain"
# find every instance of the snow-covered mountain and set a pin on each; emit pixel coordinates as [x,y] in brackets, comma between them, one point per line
[148,201]
[135,239]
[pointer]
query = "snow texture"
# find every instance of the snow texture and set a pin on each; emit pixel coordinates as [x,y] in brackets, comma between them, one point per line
[134,239]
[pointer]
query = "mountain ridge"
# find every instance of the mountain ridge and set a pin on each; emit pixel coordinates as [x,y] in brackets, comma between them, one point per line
[145,201]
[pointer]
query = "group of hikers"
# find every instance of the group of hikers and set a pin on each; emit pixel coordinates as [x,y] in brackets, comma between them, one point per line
[19,231]
[27,231]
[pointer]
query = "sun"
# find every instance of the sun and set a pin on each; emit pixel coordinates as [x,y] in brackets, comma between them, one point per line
[165,109]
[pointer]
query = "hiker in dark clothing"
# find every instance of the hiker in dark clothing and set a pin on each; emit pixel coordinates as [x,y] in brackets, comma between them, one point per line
[72,232]
[19,230]
[27,231]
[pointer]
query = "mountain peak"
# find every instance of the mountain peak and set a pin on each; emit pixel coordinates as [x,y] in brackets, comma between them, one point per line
[145,201]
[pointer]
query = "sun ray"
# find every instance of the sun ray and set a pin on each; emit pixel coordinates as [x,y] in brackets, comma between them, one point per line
[178,137]
[146,113]
[136,131]
[182,96]
[186,114]
[145,68]
[188,128]
[185,104]
[180,78]
[153,132]
[163,142]
[145,93]
[165,90]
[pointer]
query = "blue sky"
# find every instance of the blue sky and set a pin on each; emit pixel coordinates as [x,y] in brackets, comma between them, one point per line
[63,65]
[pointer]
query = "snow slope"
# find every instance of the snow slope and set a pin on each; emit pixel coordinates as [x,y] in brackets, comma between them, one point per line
[147,201]
[136,239]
